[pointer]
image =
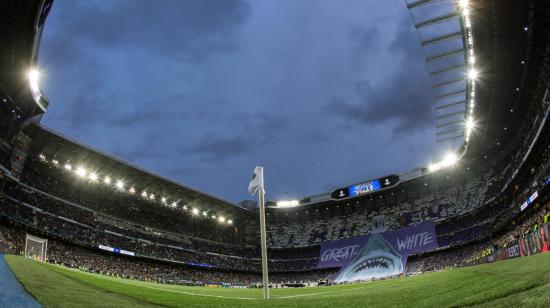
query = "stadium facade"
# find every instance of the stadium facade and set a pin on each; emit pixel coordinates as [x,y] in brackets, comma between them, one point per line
[102,214]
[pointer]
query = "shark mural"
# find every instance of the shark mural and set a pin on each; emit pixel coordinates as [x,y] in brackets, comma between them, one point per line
[379,255]
[376,259]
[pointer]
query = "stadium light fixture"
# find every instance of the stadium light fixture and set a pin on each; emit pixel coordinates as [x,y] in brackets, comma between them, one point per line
[195,211]
[34,78]
[433,167]
[55,162]
[174,204]
[473,74]
[449,160]
[42,157]
[119,185]
[291,203]
[213,216]
[152,196]
[107,180]
[204,213]
[81,172]
[68,166]
[229,222]
[185,207]
[221,219]
[144,194]
[163,200]
[470,124]
[92,176]
[132,190]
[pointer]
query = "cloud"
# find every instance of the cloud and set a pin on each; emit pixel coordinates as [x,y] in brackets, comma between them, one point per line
[189,30]
[365,42]
[224,147]
[258,131]
[405,97]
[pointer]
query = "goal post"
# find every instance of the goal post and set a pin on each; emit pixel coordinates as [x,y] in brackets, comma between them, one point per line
[36,247]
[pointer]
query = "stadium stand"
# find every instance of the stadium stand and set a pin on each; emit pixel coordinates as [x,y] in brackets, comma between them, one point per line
[478,206]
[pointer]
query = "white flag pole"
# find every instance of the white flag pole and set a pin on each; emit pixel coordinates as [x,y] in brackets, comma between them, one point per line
[263,240]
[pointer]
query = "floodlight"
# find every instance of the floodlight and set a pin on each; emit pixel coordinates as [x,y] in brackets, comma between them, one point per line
[472,74]
[449,160]
[163,200]
[119,185]
[221,219]
[81,172]
[213,216]
[107,180]
[229,221]
[34,77]
[195,211]
[144,194]
[152,197]
[55,162]
[68,166]
[93,177]
[433,167]
[204,213]
[470,124]
[132,190]
[174,204]
[291,203]
[185,207]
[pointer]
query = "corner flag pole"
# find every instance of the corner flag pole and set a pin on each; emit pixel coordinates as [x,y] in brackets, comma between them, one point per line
[263,241]
[257,183]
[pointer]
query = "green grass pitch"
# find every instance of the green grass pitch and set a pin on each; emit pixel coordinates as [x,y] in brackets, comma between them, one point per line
[513,283]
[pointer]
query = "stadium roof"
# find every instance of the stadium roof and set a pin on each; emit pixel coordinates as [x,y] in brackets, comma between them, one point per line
[26,20]
[20,42]
[512,57]
[55,146]
[512,40]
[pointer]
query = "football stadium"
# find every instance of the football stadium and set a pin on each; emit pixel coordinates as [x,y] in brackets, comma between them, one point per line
[83,227]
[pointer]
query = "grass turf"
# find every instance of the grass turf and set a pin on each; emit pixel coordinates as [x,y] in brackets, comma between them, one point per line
[511,283]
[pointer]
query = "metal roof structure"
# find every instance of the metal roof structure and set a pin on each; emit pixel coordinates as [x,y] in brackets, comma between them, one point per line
[444,29]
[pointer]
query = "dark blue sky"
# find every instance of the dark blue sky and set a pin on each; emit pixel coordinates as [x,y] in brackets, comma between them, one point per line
[321,93]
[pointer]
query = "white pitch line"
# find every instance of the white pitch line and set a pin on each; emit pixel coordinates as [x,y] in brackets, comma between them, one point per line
[139,284]
[191,293]
[319,293]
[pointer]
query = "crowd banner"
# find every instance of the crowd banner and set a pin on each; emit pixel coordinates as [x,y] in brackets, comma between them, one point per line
[535,242]
[379,255]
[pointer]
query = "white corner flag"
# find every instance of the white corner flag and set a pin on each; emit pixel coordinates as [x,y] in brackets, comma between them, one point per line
[257,181]
[257,184]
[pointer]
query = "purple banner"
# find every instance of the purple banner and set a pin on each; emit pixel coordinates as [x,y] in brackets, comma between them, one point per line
[402,242]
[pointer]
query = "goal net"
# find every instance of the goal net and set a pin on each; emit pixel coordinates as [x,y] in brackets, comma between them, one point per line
[36,247]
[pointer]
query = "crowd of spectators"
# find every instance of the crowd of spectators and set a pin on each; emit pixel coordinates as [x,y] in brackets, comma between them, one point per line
[169,248]
[437,205]
[59,182]
[12,237]
[477,252]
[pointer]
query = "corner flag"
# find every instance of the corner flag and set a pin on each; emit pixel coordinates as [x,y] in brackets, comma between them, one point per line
[257,180]
[257,184]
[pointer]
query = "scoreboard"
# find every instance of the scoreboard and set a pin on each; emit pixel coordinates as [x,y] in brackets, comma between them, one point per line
[365,187]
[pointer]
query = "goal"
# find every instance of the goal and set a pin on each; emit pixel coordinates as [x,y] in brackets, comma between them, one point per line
[36,247]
